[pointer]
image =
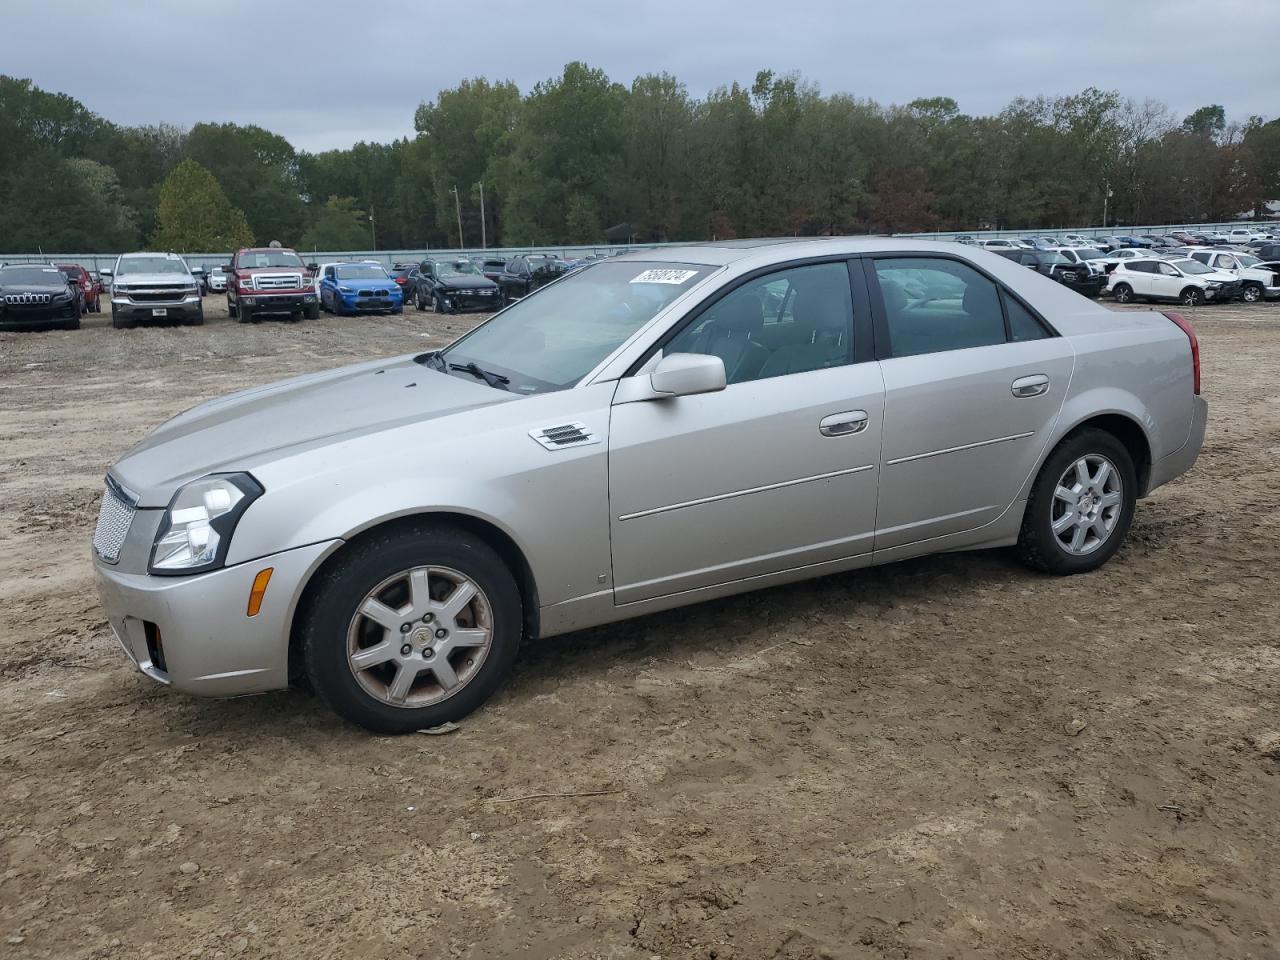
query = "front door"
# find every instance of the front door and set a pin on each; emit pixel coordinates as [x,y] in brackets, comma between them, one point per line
[777,471]
[973,385]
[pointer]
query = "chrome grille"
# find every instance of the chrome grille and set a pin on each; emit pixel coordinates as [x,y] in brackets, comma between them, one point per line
[114,517]
[157,294]
[22,299]
[277,281]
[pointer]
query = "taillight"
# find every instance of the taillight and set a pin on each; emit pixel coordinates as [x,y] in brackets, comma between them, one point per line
[400,280]
[1186,328]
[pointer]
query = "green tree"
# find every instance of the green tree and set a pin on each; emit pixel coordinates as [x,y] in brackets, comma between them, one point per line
[194,214]
[258,170]
[340,225]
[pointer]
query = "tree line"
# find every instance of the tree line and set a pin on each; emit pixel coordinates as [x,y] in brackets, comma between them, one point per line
[581,158]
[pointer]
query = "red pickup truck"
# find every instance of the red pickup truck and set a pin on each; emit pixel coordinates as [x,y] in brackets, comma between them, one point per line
[90,289]
[270,280]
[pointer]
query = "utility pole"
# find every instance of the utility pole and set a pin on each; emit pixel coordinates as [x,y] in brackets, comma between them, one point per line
[373,228]
[458,204]
[484,239]
[1106,195]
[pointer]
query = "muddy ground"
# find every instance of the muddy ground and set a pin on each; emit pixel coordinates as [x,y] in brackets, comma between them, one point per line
[951,757]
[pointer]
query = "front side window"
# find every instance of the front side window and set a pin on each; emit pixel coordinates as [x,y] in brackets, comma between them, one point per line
[932,305]
[792,321]
[552,339]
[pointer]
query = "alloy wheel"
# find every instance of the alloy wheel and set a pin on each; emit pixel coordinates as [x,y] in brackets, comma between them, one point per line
[419,636]
[1087,503]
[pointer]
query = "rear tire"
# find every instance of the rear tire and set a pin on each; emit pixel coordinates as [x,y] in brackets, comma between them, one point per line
[1091,527]
[333,627]
[1123,293]
[232,309]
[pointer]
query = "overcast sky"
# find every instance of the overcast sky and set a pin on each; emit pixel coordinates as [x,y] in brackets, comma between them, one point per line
[328,73]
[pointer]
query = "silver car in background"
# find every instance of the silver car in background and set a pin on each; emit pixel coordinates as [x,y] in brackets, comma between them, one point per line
[648,432]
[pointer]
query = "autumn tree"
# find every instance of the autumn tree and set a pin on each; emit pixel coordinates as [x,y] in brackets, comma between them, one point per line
[194,214]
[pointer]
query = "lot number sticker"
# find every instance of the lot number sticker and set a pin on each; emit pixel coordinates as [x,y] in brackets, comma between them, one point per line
[665,276]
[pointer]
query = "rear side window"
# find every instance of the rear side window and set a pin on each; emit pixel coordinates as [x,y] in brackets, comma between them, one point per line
[932,305]
[1023,324]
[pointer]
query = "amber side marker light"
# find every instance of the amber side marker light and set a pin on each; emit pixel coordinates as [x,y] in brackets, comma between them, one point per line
[259,590]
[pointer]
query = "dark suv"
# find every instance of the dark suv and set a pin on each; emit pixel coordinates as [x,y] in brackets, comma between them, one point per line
[1077,276]
[450,286]
[525,274]
[35,296]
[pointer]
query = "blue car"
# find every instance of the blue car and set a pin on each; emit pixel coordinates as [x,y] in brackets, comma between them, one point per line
[347,288]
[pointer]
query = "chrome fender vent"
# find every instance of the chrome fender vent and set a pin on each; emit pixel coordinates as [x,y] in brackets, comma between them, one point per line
[564,435]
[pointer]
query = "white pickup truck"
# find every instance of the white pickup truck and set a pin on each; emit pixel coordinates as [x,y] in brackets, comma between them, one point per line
[1256,284]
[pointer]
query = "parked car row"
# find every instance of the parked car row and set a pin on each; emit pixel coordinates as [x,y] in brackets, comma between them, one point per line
[1252,236]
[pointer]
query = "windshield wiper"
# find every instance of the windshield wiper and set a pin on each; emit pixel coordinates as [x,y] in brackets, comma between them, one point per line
[473,368]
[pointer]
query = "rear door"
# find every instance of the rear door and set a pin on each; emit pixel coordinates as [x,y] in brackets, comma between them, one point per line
[974,381]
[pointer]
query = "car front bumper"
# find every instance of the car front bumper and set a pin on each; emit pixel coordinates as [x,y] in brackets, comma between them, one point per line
[194,633]
[471,300]
[277,302]
[36,316]
[358,304]
[190,306]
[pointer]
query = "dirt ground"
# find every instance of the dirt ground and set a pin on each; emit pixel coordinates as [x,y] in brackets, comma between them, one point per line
[950,757]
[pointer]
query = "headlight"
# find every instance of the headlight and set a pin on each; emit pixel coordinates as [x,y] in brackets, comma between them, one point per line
[343,288]
[196,530]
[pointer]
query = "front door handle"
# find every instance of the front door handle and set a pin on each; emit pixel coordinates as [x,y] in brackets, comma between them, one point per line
[843,424]
[1033,386]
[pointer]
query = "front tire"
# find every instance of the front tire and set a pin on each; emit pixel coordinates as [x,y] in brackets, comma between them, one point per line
[1123,293]
[1251,293]
[411,628]
[1081,505]
[313,311]
[1191,297]
[121,323]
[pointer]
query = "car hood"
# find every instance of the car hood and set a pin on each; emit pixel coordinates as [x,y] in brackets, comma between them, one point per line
[54,287]
[153,279]
[467,283]
[247,429]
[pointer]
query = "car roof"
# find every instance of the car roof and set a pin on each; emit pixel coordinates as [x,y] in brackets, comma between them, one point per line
[725,253]
[148,253]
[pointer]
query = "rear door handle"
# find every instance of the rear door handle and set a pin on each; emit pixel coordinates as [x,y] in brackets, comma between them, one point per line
[1033,386]
[843,424]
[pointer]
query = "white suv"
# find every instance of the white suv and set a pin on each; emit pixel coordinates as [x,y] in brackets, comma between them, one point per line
[1186,281]
[1256,284]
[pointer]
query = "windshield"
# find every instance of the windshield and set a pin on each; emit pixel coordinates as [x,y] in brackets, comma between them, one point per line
[1192,266]
[359,271]
[1053,258]
[553,338]
[457,269]
[151,265]
[269,258]
[40,275]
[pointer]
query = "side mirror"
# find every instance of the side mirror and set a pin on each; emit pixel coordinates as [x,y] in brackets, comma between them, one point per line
[684,374]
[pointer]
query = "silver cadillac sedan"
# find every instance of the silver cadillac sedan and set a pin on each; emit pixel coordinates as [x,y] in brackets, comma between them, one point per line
[651,431]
